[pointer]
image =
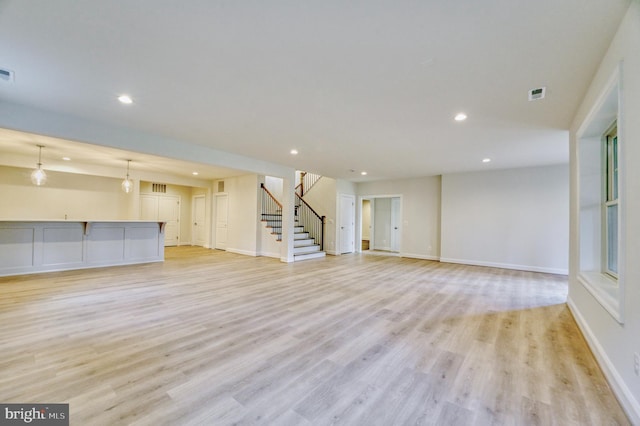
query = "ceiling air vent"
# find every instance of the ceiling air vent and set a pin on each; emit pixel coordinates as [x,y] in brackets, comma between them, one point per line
[535,94]
[6,75]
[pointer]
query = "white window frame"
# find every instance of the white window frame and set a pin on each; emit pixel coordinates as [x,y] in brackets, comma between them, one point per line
[611,196]
[606,287]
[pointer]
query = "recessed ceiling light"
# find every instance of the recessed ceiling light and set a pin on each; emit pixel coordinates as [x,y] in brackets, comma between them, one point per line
[460,116]
[125,99]
[486,160]
[363,173]
[294,152]
[195,173]
[66,158]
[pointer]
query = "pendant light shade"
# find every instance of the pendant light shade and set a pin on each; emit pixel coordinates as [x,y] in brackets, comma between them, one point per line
[127,184]
[38,176]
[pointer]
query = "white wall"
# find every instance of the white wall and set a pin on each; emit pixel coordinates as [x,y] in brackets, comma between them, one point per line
[420,208]
[274,185]
[614,344]
[515,219]
[243,232]
[65,196]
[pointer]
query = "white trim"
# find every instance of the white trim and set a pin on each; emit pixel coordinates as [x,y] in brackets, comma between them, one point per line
[614,80]
[381,253]
[214,219]
[286,260]
[352,218]
[420,256]
[245,252]
[372,243]
[506,266]
[597,284]
[332,252]
[630,405]
[268,254]
[193,218]
[594,125]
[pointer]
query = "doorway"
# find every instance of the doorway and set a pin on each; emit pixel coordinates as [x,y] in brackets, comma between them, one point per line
[199,229]
[347,223]
[381,224]
[222,219]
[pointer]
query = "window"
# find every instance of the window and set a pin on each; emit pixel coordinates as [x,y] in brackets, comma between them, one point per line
[601,221]
[610,143]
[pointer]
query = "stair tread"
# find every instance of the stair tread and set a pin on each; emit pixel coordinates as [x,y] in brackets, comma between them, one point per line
[309,256]
[306,249]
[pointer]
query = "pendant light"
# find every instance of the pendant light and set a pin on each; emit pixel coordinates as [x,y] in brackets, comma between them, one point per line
[127,184]
[38,176]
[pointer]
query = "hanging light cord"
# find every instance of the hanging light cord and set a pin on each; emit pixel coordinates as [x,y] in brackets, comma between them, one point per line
[39,156]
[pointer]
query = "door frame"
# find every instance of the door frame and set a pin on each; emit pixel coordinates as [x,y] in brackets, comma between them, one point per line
[394,241]
[372,198]
[193,219]
[214,215]
[353,215]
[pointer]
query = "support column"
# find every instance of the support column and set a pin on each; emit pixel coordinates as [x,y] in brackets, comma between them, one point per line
[288,211]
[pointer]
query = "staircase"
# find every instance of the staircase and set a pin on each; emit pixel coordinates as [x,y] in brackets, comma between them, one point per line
[307,242]
[304,247]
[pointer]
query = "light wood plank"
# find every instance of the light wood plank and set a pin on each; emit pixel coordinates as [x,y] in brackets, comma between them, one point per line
[210,337]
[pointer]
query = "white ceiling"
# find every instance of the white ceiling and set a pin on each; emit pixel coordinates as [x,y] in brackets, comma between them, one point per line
[362,85]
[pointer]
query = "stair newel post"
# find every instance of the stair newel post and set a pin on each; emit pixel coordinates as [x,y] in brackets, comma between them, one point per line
[302,175]
[322,233]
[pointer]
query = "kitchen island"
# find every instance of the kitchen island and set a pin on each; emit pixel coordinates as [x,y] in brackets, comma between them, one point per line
[32,246]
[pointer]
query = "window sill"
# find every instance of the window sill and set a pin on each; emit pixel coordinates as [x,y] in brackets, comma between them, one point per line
[606,291]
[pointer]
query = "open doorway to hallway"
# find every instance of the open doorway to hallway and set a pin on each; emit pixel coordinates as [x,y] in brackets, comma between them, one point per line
[380,224]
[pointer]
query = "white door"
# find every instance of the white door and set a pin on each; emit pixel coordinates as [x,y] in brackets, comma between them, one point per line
[222,216]
[395,224]
[347,223]
[169,211]
[163,208]
[148,207]
[199,230]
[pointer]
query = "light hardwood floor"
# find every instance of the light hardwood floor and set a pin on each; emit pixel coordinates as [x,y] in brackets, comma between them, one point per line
[213,338]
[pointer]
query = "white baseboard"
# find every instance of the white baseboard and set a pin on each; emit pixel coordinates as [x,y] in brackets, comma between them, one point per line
[245,252]
[267,254]
[419,256]
[331,252]
[630,405]
[506,266]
